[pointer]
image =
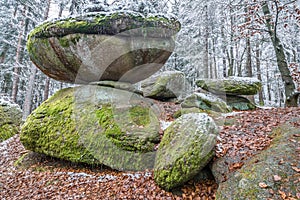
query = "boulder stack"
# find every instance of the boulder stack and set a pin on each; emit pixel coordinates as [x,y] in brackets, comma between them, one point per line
[107,120]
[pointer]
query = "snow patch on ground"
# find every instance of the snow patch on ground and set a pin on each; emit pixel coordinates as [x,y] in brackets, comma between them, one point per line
[164,124]
[4,146]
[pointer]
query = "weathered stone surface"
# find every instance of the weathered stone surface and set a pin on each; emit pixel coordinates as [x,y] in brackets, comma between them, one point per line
[206,102]
[118,85]
[165,85]
[259,177]
[231,85]
[118,46]
[10,119]
[186,148]
[239,103]
[95,124]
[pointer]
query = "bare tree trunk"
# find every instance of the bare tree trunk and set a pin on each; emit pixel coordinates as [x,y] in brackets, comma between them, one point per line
[47,88]
[47,81]
[257,54]
[249,72]
[248,67]
[206,57]
[16,75]
[268,84]
[230,54]
[28,98]
[214,60]
[290,93]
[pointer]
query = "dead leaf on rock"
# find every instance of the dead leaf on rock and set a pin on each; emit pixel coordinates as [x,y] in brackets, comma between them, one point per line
[235,166]
[276,178]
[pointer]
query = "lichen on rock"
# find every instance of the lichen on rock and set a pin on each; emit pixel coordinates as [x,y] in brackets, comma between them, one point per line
[186,148]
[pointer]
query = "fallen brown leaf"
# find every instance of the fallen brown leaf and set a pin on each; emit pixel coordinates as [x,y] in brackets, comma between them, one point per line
[296,169]
[263,185]
[282,194]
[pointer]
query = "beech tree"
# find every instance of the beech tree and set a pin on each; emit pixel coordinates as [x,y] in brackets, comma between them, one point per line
[271,18]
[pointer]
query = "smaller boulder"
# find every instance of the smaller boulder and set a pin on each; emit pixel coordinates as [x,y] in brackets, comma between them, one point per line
[10,119]
[206,102]
[231,85]
[239,103]
[165,85]
[186,148]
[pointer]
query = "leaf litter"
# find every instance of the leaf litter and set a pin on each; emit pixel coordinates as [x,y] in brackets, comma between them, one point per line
[41,177]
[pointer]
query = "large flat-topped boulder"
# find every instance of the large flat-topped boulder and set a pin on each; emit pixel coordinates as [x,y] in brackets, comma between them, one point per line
[231,85]
[127,47]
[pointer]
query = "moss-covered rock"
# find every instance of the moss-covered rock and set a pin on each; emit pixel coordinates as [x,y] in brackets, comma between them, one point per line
[165,85]
[93,47]
[10,119]
[239,103]
[270,174]
[186,148]
[206,102]
[95,125]
[113,23]
[231,85]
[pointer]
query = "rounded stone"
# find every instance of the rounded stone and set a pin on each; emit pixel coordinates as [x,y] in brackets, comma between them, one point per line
[165,85]
[95,125]
[125,47]
[186,148]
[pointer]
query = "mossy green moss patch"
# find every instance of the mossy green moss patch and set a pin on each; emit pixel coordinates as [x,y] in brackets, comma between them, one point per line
[107,24]
[94,132]
[51,130]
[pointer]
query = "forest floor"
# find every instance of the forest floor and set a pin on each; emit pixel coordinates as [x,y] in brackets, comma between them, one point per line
[27,175]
